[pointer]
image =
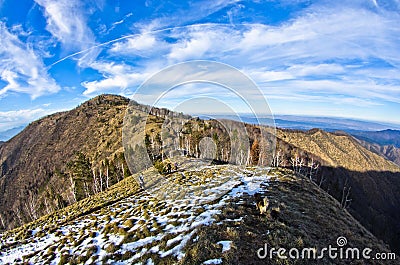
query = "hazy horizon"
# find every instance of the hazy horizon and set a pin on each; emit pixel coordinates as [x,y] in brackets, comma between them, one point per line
[296,122]
[307,57]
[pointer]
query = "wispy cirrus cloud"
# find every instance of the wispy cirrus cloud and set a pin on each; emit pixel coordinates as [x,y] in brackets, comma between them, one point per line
[322,52]
[119,22]
[67,22]
[19,76]
[136,45]
[328,50]
[188,15]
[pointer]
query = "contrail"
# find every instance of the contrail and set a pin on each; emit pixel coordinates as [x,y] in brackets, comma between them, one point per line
[130,36]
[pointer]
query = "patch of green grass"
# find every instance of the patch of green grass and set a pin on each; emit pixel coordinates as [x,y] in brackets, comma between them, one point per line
[130,237]
[122,231]
[127,255]
[110,228]
[80,240]
[64,259]
[111,248]
[129,223]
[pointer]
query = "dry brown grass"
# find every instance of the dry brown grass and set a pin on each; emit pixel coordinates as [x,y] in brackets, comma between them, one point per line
[300,215]
[337,150]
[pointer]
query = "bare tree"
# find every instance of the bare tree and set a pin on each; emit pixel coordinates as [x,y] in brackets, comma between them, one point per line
[95,184]
[107,176]
[239,156]
[2,221]
[345,201]
[313,169]
[277,159]
[101,180]
[248,158]
[297,164]
[86,189]
[73,188]
[48,210]
[18,214]
[123,171]
[321,181]
[30,206]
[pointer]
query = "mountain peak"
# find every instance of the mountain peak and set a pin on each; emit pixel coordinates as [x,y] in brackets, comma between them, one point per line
[109,99]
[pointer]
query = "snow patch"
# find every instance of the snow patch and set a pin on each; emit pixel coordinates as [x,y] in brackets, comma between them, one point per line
[213,261]
[226,245]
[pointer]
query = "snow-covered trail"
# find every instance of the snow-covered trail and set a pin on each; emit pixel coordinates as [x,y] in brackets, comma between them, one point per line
[141,225]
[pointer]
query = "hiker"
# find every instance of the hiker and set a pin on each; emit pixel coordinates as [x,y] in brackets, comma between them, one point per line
[169,168]
[176,166]
[141,182]
[261,203]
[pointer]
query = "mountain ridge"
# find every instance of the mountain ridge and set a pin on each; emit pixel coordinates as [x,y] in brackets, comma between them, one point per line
[46,146]
[89,139]
[390,152]
[383,137]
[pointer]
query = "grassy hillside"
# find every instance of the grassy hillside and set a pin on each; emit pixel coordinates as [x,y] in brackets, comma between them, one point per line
[371,182]
[34,177]
[389,152]
[337,150]
[139,228]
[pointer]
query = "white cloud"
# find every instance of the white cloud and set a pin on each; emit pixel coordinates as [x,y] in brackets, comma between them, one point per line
[322,35]
[16,118]
[67,22]
[115,24]
[195,11]
[360,90]
[264,75]
[316,70]
[194,46]
[21,69]
[328,53]
[117,78]
[141,42]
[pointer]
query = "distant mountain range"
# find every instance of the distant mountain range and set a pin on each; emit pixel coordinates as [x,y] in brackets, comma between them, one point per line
[329,124]
[385,137]
[8,134]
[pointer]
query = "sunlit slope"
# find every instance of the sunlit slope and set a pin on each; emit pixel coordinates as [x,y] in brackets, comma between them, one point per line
[140,228]
[337,150]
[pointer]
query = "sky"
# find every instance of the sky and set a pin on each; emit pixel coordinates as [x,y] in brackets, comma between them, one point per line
[320,58]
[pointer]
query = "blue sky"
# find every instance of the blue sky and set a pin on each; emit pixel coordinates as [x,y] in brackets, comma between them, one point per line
[320,58]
